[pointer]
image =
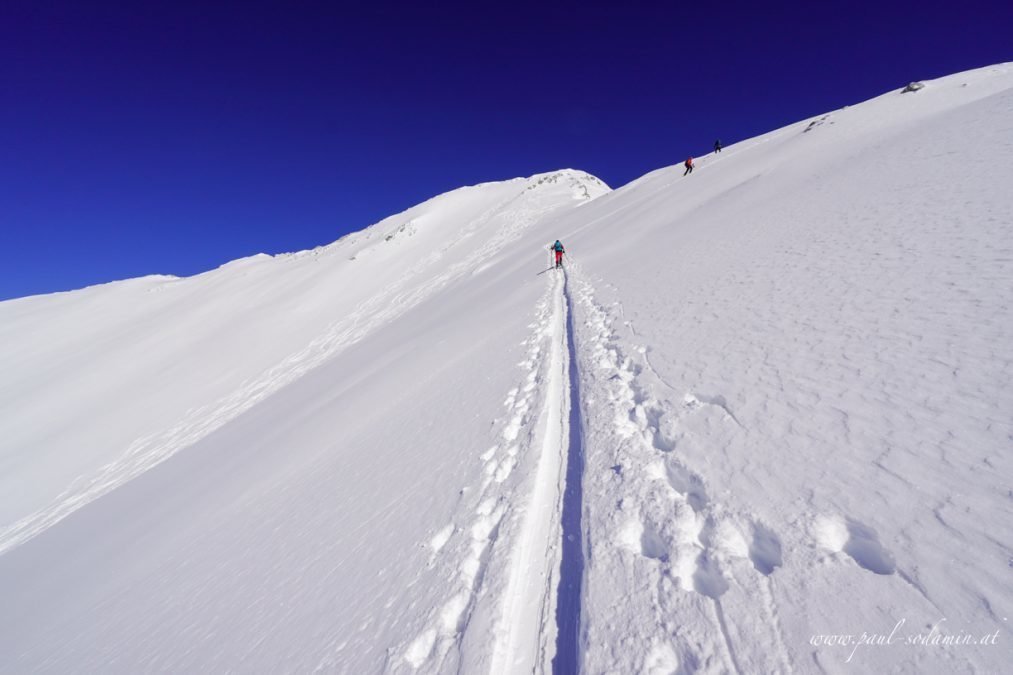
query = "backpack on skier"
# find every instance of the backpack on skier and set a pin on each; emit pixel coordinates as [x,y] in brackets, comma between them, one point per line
[559,250]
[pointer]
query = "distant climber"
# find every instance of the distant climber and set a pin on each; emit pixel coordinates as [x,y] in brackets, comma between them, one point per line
[559,250]
[689,166]
[717,145]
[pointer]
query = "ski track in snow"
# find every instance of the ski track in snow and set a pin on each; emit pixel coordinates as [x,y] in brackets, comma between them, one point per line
[699,547]
[151,450]
[569,603]
[525,633]
[428,650]
[537,433]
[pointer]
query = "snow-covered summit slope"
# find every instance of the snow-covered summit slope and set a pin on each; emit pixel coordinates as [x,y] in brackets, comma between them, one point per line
[787,373]
[131,371]
[813,430]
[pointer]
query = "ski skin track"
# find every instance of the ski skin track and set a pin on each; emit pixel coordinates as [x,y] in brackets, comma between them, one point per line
[571,566]
[526,639]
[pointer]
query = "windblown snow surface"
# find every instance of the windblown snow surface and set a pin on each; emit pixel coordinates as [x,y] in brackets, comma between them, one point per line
[761,423]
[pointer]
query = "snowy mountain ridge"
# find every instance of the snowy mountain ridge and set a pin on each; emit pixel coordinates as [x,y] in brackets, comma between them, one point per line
[763,405]
[442,225]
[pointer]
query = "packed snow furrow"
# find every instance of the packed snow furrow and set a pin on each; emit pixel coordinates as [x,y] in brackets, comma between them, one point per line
[571,565]
[151,450]
[524,637]
[468,547]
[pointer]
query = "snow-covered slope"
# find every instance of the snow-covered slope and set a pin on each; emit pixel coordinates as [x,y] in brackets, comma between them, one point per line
[765,406]
[128,373]
[805,349]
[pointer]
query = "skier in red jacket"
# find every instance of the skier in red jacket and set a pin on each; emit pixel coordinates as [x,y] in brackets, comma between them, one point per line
[558,249]
[689,166]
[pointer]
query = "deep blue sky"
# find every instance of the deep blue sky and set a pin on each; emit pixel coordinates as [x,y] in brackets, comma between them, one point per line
[150,137]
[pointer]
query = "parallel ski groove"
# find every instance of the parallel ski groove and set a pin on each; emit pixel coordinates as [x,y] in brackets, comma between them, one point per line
[571,567]
[524,638]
